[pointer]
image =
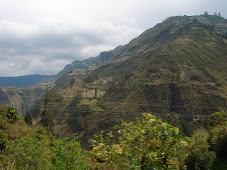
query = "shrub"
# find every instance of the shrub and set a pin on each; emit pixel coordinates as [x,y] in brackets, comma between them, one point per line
[199,155]
[67,155]
[218,132]
[217,118]
[28,152]
[28,118]
[47,120]
[148,144]
[11,114]
[3,140]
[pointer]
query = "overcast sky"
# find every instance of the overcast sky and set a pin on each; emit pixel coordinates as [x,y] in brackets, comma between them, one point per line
[42,36]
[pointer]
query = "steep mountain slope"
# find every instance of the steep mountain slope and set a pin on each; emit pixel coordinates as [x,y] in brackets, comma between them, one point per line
[171,67]
[177,66]
[219,23]
[22,98]
[4,100]
[23,92]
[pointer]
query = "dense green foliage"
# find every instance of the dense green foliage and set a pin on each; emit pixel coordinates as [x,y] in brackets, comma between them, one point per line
[11,114]
[200,156]
[148,144]
[28,152]
[10,126]
[24,148]
[218,133]
[67,155]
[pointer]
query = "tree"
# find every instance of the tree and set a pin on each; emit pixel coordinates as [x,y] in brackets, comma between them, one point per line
[47,120]
[76,101]
[206,14]
[195,20]
[174,119]
[218,132]
[28,117]
[219,14]
[72,82]
[52,98]
[200,156]
[96,92]
[11,114]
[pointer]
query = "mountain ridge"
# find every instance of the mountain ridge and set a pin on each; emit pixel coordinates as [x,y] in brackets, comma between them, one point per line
[25,81]
[177,66]
[219,23]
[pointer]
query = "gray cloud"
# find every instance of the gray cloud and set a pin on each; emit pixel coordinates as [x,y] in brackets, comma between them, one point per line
[42,36]
[46,50]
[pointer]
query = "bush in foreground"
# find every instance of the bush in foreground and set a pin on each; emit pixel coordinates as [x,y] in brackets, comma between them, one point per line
[146,144]
[28,152]
[67,155]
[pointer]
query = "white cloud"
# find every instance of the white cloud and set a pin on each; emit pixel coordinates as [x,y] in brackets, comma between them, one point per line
[42,36]
[46,48]
[17,29]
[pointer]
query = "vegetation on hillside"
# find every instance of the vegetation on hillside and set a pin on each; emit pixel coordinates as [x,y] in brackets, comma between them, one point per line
[148,143]
[175,70]
[178,67]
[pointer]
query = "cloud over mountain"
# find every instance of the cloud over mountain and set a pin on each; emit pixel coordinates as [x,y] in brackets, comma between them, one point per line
[45,49]
[42,36]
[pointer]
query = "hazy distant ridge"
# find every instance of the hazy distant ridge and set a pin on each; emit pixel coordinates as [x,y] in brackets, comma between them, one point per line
[24,81]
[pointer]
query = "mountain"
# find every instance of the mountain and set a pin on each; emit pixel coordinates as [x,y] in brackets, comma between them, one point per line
[22,98]
[91,63]
[177,66]
[219,23]
[25,81]
[4,100]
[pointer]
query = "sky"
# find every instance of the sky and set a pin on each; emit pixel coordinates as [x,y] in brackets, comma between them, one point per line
[42,36]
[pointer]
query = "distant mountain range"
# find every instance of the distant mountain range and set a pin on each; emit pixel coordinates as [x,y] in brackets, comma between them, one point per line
[25,81]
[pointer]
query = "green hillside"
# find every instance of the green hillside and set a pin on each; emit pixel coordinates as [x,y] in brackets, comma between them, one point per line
[163,94]
[148,143]
[176,68]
